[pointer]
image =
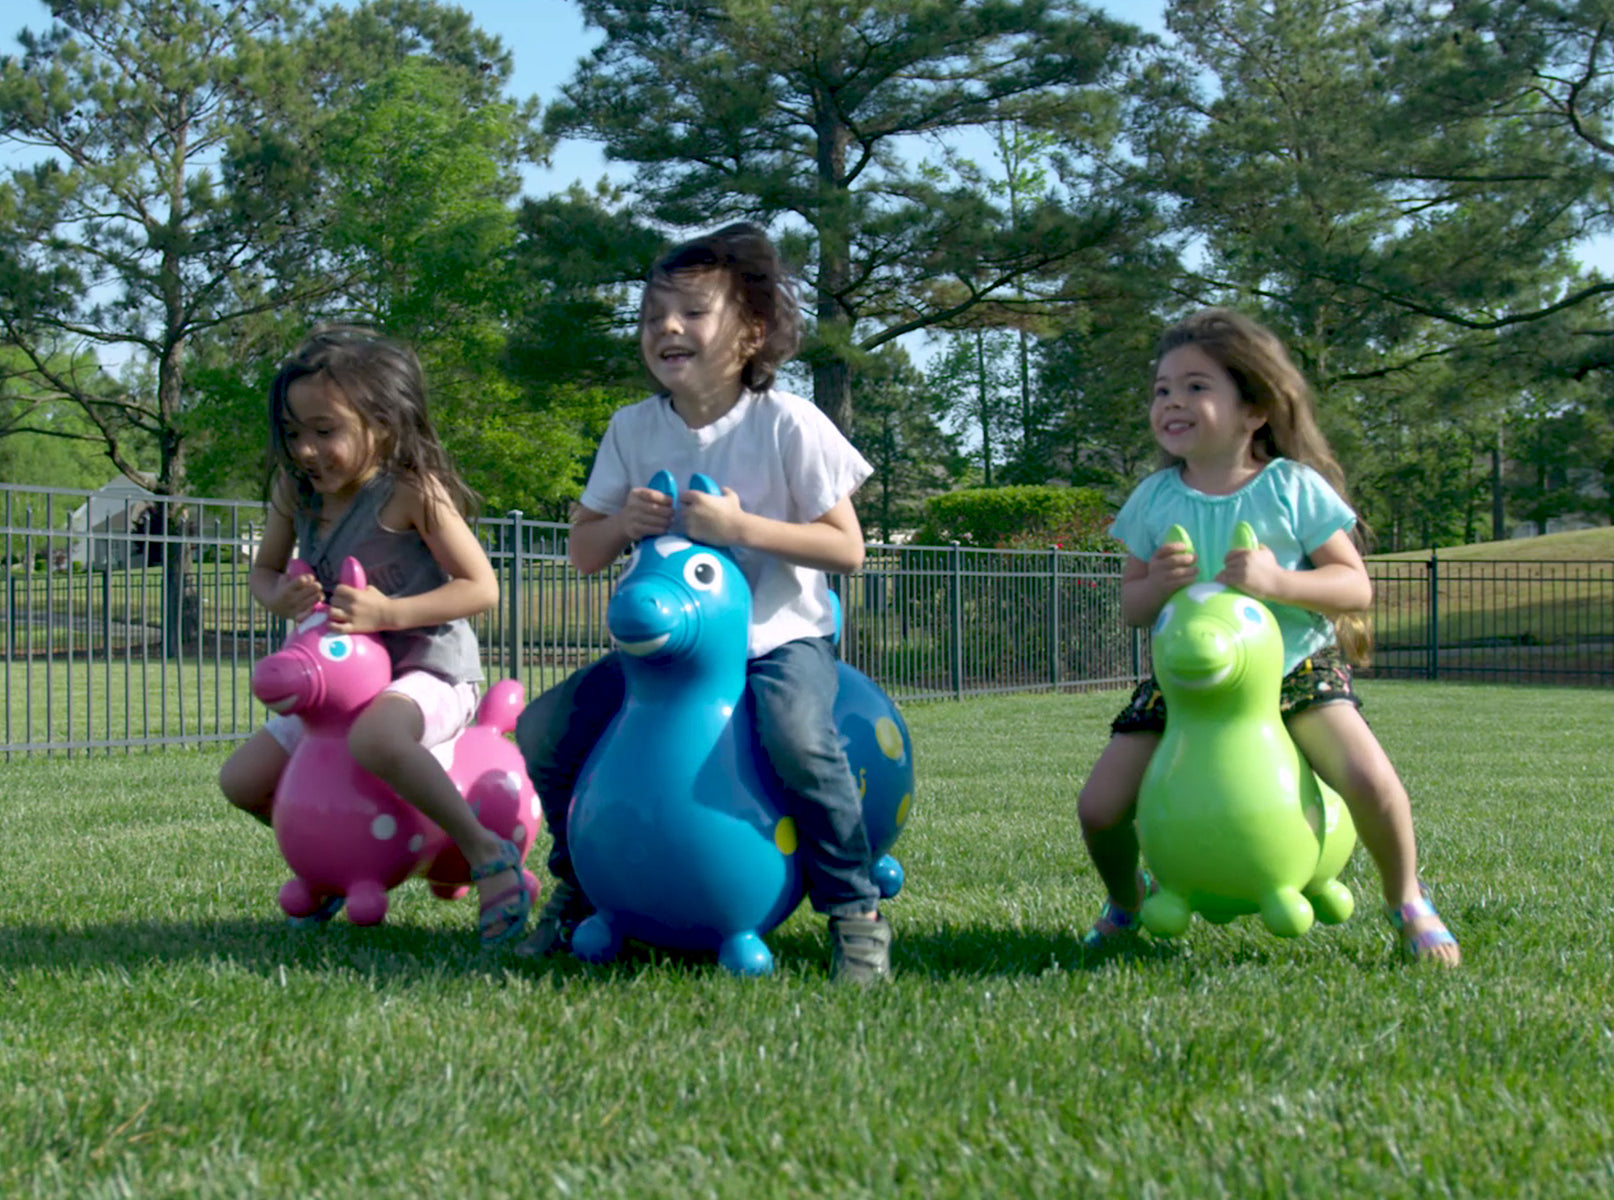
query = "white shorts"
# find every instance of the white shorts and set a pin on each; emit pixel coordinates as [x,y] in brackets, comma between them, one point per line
[446,708]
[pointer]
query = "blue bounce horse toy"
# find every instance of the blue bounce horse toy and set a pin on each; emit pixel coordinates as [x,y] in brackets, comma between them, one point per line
[678,832]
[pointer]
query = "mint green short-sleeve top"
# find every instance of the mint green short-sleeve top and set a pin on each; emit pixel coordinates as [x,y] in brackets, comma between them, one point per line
[1292,509]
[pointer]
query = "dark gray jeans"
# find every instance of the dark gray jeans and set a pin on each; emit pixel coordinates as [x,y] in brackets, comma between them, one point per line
[791,691]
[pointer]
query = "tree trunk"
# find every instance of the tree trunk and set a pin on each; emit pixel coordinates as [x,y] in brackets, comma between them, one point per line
[986,421]
[180,606]
[1026,436]
[832,388]
[832,373]
[1498,509]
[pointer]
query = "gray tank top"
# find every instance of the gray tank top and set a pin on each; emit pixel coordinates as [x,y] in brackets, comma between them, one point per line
[398,564]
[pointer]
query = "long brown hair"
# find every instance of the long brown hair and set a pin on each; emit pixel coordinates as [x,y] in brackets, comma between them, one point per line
[1269,381]
[382,380]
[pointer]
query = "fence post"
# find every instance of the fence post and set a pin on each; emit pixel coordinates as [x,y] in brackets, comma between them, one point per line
[955,595]
[1433,640]
[1053,617]
[514,634]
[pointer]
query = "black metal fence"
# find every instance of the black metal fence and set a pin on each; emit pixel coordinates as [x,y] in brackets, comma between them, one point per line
[129,623]
[1498,622]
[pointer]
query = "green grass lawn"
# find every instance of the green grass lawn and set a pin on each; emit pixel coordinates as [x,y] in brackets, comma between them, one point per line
[165,1035]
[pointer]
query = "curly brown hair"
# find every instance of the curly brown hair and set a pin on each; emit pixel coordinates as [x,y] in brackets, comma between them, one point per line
[758,281]
[1268,380]
[382,380]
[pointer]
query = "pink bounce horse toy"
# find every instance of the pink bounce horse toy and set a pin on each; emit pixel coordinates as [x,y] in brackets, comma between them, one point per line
[342,831]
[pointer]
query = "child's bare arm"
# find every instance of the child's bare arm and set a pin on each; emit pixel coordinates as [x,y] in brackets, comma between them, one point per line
[1337,581]
[833,542]
[268,582]
[597,539]
[472,587]
[1147,585]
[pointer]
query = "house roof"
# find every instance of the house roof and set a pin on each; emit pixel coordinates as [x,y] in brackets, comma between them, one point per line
[111,499]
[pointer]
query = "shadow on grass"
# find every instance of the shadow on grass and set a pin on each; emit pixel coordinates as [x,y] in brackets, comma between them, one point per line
[979,951]
[264,945]
[405,954]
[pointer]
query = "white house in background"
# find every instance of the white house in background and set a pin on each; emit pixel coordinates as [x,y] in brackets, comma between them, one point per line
[98,530]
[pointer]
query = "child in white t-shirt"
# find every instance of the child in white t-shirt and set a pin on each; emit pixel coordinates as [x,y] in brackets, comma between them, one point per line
[718,317]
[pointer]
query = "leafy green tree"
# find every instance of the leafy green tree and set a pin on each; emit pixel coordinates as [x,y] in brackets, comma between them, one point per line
[825,116]
[896,430]
[44,439]
[163,198]
[577,262]
[573,347]
[1511,104]
[416,152]
[1561,456]
[1315,156]
[975,385]
[1094,378]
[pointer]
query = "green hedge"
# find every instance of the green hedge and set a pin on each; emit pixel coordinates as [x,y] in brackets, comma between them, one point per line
[1024,517]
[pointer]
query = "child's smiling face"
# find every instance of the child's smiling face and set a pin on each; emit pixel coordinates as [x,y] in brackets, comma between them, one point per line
[694,336]
[327,438]
[1197,413]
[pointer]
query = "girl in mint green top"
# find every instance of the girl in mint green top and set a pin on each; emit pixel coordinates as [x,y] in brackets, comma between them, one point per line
[1235,423]
[1292,509]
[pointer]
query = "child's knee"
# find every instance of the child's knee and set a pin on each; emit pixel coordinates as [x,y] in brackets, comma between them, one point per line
[1372,794]
[233,783]
[247,786]
[1100,808]
[805,755]
[378,745]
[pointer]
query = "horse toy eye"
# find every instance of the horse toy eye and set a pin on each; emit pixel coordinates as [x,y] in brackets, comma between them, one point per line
[1164,618]
[336,648]
[702,572]
[1251,613]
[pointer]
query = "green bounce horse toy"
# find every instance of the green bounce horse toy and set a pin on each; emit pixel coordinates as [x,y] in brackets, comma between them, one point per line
[1231,818]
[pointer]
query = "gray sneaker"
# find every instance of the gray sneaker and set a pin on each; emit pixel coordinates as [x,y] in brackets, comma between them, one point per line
[566,909]
[860,949]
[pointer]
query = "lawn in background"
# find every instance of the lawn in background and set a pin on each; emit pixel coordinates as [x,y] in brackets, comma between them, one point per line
[165,1035]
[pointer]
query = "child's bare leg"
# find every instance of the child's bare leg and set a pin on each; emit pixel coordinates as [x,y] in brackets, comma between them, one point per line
[1343,751]
[385,741]
[250,775]
[1106,808]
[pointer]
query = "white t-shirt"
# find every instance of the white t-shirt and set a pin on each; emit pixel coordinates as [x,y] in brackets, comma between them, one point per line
[784,459]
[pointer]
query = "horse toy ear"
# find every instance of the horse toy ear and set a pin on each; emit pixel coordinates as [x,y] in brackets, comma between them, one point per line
[704,483]
[352,573]
[1244,537]
[1178,534]
[296,569]
[663,482]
